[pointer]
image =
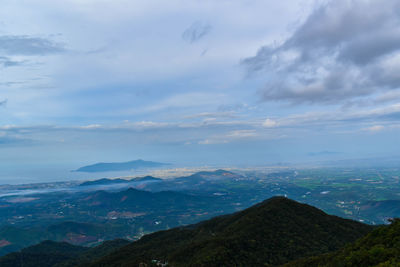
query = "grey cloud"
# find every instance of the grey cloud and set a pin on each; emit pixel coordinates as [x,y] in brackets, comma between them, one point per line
[341,119]
[28,46]
[368,48]
[8,84]
[7,62]
[344,50]
[196,32]
[3,103]
[227,114]
[389,97]
[358,31]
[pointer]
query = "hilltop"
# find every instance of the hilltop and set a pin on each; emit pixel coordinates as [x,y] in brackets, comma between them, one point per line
[273,232]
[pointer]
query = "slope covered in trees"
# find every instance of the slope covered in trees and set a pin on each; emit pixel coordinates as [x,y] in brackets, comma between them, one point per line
[273,232]
[44,254]
[381,248]
[59,254]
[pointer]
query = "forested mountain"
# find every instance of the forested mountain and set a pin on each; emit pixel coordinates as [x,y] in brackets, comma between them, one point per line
[273,232]
[277,231]
[381,248]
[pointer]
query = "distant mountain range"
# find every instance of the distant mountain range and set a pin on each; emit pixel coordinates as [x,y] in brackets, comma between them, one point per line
[202,179]
[101,215]
[142,201]
[120,166]
[106,181]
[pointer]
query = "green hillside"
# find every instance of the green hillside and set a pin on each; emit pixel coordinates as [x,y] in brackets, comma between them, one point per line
[94,253]
[381,248]
[273,232]
[45,254]
[59,254]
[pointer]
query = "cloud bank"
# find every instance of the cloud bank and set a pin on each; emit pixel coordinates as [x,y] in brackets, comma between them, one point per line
[28,45]
[345,50]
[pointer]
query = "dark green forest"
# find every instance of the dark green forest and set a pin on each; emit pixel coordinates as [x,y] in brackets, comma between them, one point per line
[273,232]
[381,248]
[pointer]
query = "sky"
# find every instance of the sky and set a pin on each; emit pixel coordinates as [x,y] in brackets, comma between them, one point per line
[246,82]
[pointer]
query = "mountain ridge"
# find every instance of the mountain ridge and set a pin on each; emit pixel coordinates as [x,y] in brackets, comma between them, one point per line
[272,232]
[108,181]
[120,166]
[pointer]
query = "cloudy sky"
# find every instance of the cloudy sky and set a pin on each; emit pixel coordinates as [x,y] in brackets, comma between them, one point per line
[197,82]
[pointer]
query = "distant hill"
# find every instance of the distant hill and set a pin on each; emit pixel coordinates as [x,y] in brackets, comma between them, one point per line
[120,166]
[60,254]
[382,210]
[145,179]
[13,238]
[381,247]
[204,178]
[210,176]
[273,232]
[125,214]
[205,181]
[106,181]
[140,200]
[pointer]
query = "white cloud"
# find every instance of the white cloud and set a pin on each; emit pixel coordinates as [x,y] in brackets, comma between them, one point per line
[91,126]
[269,123]
[212,142]
[375,128]
[242,134]
[150,124]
